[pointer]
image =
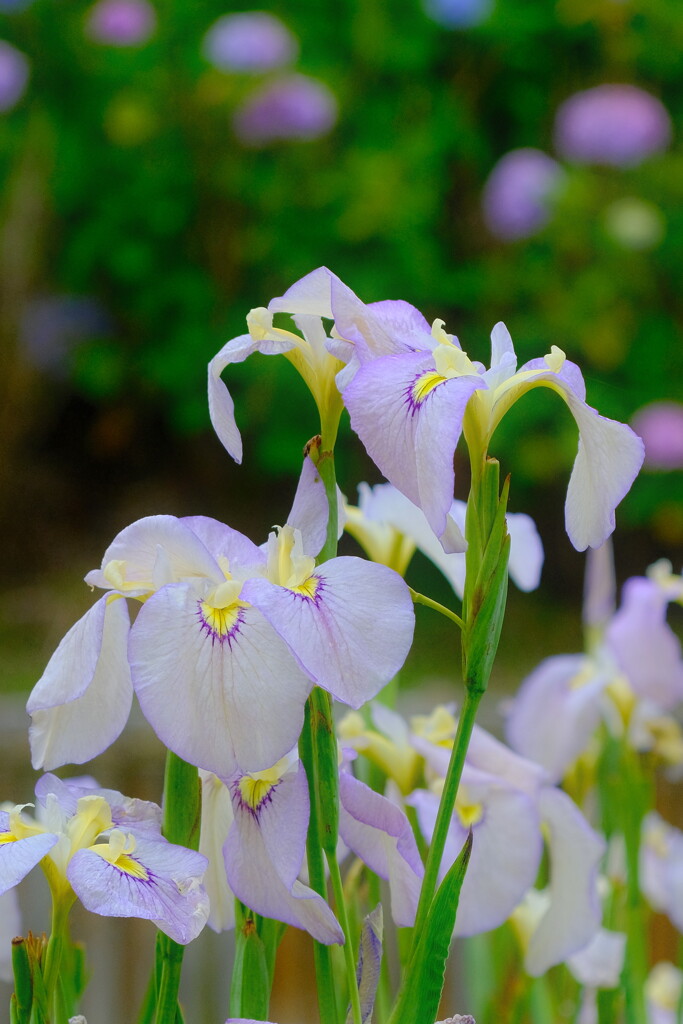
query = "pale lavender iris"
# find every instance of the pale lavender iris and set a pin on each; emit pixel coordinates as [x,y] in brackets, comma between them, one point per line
[660,424]
[121,22]
[518,195]
[228,643]
[458,13]
[291,107]
[513,812]
[614,124]
[108,851]
[14,72]
[53,325]
[252,42]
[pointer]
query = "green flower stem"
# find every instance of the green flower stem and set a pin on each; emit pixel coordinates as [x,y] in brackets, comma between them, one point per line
[323,459]
[349,958]
[435,606]
[181,824]
[61,904]
[446,806]
[634,803]
[322,954]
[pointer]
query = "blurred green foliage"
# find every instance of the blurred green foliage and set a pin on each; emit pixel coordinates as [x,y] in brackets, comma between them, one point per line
[144,198]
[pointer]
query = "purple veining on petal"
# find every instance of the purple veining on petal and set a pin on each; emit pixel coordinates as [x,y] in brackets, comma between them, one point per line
[314,598]
[216,634]
[414,403]
[244,805]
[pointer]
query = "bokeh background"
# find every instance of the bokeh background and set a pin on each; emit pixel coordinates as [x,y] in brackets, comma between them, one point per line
[167,166]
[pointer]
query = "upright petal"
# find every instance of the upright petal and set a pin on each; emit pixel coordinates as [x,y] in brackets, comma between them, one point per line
[221,691]
[82,701]
[350,625]
[217,817]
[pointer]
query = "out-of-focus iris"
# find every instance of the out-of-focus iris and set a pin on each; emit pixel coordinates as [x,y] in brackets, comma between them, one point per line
[121,22]
[660,424]
[517,198]
[617,125]
[290,107]
[53,325]
[458,13]
[252,42]
[13,6]
[14,72]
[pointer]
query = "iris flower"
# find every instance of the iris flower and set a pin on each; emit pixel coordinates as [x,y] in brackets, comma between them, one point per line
[228,643]
[108,851]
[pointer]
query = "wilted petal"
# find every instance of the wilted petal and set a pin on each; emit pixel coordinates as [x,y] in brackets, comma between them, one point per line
[410,427]
[556,711]
[157,881]
[217,817]
[223,701]
[573,916]
[380,834]
[350,625]
[82,702]
[645,647]
[369,963]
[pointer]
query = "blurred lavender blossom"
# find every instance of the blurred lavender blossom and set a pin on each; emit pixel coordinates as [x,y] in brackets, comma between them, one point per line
[458,13]
[53,325]
[518,192]
[291,107]
[14,72]
[660,424]
[252,42]
[617,125]
[121,22]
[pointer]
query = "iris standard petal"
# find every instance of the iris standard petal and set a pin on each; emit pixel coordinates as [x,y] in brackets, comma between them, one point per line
[409,419]
[226,696]
[157,881]
[217,817]
[574,914]
[152,552]
[82,702]
[380,834]
[556,711]
[224,542]
[350,625]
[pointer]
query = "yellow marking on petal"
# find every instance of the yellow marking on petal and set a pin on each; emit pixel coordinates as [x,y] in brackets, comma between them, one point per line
[309,588]
[255,787]
[469,812]
[221,620]
[555,359]
[7,837]
[118,853]
[425,384]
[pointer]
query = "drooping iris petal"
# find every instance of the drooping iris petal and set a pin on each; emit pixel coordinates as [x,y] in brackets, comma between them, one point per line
[260,881]
[600,963]
[410,420]
[661,867]
[506,849]
[226,696]
[19,856]
[573,916]
[645,647]
[157,881]
[82,701]
[221,405]
[217,817]
[350,625]
[380,834]
[556,711]
[152,552]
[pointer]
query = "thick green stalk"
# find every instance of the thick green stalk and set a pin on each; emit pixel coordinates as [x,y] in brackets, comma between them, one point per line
[634,805]
[349,960]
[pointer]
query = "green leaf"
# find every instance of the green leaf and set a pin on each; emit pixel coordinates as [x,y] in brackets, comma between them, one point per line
[250,990]
[419,996]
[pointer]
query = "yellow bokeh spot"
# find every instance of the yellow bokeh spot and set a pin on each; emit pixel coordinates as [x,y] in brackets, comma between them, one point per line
[438,727]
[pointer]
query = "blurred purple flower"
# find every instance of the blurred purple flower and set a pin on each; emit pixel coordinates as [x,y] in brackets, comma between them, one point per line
[13,6]
[518,191]
[53,325]
[291,107]
[14,69]
[121,22]
[660,424]
[458,13]
[619,125]
[254,41]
